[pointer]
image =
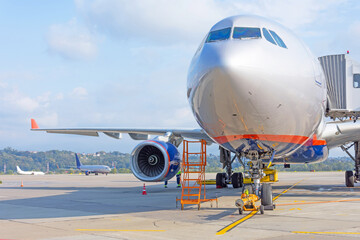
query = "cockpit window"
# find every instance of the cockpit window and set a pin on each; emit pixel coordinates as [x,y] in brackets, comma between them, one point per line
[356,80]
[246,33]
[278,40]
[219,35]
[268,36]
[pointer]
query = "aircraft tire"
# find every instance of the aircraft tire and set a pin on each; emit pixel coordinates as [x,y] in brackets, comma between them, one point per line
[221,180]
[237,180]
[266,195]
[262,209]
[223,175]
[349,179]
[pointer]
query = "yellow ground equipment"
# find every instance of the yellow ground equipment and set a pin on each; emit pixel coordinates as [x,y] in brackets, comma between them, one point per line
[247,202]
[271,175]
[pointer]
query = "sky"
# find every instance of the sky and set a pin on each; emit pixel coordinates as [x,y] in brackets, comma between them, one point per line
[120,63]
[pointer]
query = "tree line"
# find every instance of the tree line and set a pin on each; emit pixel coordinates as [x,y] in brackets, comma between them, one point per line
[63,161]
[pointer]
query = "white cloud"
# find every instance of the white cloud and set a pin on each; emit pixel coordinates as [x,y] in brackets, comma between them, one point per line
[354,31]
[79,92]
[17,106]
[48,120]
[3,84]
[14,99]
[291,13]
[71,40]
[180,117]
[172,21]
[160,20]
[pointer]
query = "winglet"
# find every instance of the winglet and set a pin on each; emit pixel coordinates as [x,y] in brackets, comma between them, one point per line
[34,124]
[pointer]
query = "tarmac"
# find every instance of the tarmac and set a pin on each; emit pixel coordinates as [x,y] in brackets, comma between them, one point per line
[309,205]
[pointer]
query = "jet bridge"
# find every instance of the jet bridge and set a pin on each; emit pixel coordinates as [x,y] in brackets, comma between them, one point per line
[343,86]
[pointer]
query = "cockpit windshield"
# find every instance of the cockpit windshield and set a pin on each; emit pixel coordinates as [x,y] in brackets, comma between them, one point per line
[246,33]
[278,40]
[219,35]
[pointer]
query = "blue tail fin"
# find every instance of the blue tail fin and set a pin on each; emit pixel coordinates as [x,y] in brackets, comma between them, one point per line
[78,163]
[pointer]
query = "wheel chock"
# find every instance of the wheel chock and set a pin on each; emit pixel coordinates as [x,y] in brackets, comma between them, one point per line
[269,207]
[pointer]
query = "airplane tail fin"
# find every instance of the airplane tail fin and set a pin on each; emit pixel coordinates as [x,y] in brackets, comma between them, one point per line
[18,169]
[78,163]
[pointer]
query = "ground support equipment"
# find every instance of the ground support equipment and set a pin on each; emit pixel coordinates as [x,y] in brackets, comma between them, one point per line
[193,176]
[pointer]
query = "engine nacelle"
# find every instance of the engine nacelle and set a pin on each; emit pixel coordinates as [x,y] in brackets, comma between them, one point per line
[154,161]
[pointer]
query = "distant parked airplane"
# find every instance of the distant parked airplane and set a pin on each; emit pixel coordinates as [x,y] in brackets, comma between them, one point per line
[91,168]
[21,172]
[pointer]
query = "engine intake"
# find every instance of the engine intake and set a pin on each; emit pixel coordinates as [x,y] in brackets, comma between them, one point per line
[154,161]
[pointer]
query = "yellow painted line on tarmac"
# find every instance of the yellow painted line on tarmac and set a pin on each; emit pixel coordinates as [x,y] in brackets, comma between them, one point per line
[119,230]
[234,224]
[285,191]
[333,201]
[250,215]
[339,233]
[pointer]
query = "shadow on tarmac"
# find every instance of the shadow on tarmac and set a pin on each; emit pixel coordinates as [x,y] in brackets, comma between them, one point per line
[87,201]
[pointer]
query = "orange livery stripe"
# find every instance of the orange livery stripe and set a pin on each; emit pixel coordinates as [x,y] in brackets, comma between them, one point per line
[273,138]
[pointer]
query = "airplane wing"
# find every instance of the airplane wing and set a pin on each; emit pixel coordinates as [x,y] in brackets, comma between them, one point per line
[136,134]
[340,133]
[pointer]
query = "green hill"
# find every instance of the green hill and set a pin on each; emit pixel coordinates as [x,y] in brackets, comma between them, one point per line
[59,160]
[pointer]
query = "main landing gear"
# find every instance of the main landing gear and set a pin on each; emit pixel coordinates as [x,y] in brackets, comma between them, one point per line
[223,179]
[351,177]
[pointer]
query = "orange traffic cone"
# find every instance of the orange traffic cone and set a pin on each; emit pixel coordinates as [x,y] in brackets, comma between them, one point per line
[22,184]
[144,190]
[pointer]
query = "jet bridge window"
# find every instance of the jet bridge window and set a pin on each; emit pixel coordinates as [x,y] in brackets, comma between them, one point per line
[278,40]
[246,33]
[219,35]
[357,80]
[268,36]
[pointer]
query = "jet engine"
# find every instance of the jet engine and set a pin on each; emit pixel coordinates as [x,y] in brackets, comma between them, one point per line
[154,161]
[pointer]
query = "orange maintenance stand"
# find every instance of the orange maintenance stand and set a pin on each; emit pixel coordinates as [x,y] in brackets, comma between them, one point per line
[193,176]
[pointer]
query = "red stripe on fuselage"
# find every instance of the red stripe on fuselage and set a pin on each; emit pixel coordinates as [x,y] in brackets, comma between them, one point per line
[273,138]
[316,142]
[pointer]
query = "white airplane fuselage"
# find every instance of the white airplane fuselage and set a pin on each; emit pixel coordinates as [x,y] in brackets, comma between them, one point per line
[252,95]
[94,169]
[21,172]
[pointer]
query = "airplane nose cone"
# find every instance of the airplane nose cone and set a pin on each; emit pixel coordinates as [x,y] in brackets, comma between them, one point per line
[235,94]
[222,95]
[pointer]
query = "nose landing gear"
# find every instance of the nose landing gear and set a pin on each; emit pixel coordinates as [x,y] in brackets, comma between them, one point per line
[256,191]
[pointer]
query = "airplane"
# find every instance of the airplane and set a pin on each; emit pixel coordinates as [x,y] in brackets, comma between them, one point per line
[21,172]
[91,168]
[257,91]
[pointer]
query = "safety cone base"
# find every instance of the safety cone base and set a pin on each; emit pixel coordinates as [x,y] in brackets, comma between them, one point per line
[144,190]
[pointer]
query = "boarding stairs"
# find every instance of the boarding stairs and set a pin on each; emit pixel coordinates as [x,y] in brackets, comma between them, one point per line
[193,175]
